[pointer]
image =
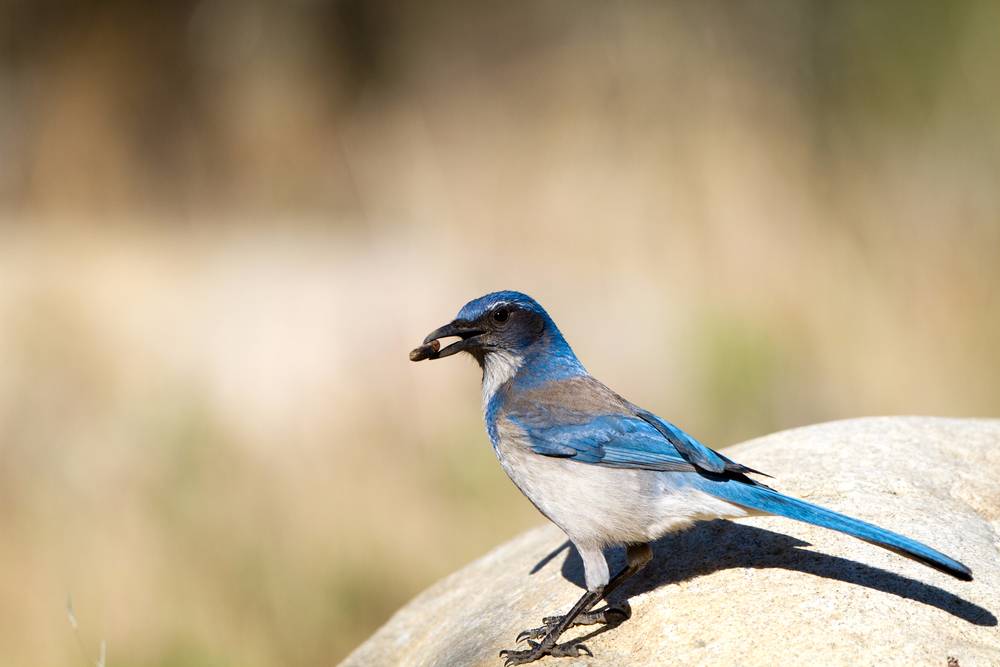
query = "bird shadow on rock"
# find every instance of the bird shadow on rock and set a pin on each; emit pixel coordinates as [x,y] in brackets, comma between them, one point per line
[718,545]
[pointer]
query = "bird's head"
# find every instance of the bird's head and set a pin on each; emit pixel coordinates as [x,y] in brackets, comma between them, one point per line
[501,325]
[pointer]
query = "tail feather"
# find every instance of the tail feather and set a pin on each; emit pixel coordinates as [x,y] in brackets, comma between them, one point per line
[765,499]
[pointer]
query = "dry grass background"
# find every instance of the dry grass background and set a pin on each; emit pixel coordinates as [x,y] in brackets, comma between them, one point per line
[225,224]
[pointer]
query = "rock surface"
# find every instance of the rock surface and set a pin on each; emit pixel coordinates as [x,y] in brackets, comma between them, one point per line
[764,591]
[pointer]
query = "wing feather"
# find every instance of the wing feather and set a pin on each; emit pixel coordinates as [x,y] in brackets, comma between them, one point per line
[585,421]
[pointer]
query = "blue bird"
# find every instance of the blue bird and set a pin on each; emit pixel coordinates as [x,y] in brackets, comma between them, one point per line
[604,470]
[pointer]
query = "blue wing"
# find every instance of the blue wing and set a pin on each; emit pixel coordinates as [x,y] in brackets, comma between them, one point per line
[692,450]
[582,419]
[619,441]
[701,456]
[626,441]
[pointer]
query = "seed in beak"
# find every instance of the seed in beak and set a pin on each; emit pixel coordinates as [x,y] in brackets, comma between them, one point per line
[427,351]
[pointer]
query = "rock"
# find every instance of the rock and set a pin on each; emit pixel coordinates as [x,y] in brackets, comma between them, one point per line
[764,591]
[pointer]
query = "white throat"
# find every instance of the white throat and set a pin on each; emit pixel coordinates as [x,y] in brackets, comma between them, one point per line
[499,366]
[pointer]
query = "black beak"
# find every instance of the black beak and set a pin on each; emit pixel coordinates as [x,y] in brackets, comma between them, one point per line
[464,329]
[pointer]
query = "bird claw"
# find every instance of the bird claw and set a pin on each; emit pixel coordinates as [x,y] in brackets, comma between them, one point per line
[609,615]
[511,657]
[537,651]
[569,650]
[532,633]
[548,624]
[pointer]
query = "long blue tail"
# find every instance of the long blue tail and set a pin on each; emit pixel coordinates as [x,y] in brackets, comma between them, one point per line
[768,500]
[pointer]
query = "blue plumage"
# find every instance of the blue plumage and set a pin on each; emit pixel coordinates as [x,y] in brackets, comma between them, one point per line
[768,500]
[604,470]
[629,437]
[609,440]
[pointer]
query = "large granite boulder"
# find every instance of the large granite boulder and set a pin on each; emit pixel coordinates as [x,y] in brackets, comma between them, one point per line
[764,591]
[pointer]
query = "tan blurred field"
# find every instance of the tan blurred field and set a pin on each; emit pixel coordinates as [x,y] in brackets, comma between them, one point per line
[223,226]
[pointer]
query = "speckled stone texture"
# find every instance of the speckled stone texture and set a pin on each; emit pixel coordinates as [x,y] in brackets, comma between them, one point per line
[764,591]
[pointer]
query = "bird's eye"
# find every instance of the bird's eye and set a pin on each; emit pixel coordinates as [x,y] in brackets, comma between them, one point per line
[501,315]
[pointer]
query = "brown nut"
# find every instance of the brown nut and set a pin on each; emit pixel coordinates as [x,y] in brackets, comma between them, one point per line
[426,351]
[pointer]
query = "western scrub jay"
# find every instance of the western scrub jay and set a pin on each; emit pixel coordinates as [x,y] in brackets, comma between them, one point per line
[604,470]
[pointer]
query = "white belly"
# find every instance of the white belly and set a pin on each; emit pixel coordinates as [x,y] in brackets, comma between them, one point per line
[599,506]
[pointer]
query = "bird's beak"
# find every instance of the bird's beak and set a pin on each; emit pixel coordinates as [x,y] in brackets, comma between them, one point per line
[464,329]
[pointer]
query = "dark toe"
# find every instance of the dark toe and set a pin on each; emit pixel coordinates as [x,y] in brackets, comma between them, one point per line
[570,650]
[512,657]
[533,633]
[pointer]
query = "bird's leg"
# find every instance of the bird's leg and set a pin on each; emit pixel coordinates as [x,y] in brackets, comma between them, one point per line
[548,644]
[606,615]
[637,556]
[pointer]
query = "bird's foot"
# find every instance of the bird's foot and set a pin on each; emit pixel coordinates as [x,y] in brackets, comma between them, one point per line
[609,615]
[536,651]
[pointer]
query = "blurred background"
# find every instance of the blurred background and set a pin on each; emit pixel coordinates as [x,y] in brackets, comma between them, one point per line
[224,223]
